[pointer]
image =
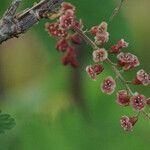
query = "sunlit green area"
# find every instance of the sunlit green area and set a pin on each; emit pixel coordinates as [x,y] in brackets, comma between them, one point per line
[59,108]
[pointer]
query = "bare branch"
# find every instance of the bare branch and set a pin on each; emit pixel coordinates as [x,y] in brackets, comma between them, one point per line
[12,25]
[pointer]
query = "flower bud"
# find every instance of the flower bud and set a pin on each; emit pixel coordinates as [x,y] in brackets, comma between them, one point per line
[128,122]
[123,99]
[70,57]
[94,30]
[94,70]
[75,38]
[148,101]
[62,45]
[118,47]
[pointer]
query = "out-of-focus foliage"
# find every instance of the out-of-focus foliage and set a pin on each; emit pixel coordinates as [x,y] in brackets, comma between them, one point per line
[6,122]
[38,91]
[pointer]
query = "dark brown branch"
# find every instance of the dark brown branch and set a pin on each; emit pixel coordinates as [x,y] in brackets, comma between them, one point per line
[12,25]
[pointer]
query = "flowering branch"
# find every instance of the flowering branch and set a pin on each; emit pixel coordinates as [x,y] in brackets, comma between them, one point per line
[109,84]
[12,24]
[113,65]
[67,41]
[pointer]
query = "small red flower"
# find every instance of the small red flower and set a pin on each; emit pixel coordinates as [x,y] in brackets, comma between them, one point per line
[70,57]
[75,38]
[100,55]
[127,60]
[108,85]
[101,38]
[138,101]
[94,70]
[118,47]
[128,122]
[66,6]
[142,78]
[54,30]
[101,34]
[123,98]
[94,30]
[67,20]
[62,45]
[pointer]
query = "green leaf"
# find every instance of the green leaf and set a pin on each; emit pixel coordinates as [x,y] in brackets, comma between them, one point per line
[6,122]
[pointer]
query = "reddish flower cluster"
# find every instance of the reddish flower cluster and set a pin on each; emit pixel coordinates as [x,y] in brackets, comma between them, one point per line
[66,40]
[137,101]
[118,47]
[126,61]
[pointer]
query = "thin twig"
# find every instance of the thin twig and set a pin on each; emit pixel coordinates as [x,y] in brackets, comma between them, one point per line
[147,115]
[116,10]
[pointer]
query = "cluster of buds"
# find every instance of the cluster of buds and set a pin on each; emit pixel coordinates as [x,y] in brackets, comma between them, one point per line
[66,41]
[69,32]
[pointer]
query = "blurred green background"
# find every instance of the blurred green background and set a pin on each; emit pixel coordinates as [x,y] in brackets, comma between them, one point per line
[59,108]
